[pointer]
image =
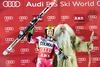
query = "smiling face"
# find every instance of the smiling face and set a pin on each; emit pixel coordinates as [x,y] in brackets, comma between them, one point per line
[50,32]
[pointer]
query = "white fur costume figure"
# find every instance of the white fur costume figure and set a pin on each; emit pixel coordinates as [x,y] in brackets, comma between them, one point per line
[68,43]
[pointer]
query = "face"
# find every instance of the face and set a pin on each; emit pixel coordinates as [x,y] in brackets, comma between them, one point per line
[63,28]
[50,32]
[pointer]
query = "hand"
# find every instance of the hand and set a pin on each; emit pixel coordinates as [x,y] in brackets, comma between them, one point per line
[29,37]
[90,46]
[62,56]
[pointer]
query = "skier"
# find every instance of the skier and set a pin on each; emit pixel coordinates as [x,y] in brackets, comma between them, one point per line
[46,47]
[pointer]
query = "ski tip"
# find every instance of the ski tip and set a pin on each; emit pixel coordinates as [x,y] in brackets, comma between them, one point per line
[5,53]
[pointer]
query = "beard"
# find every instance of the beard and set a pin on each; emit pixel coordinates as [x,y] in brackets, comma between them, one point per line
[63,37]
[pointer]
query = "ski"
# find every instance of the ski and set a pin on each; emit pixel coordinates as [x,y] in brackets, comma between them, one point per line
[24,32]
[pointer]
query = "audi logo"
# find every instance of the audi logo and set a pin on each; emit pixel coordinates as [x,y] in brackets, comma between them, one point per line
[11,4]
[10,61]
[23,17]
[24,50]
[38,28]
[81,59]
[93,27]
[9,28]
[22,28]
[9,39]
[79,27]
[51,17]
[92,17]
[25,61]
[96,48]
[8,17]
[94,59]
[95,37]
[64,17]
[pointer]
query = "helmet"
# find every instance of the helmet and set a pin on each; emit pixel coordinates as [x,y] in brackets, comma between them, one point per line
[49,27]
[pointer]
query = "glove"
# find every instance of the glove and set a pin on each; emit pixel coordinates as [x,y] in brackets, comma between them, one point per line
[30,34]
[90,46]
[62,56]
[29,37]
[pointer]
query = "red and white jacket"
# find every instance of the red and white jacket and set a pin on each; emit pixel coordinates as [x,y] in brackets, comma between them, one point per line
[46,47]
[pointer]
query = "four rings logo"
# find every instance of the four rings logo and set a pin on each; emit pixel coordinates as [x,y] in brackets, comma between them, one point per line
[95,37]
[93,27]
[81,59]
[23,50]
[95,48]
[95,59]
[8,62]
[64,18]
[79,28]
[7,29]
[51,18]
[7,18]
[38,28]
[9,39]
[11,4]
[22,28]
[25,61]
[91,17]
[21,18]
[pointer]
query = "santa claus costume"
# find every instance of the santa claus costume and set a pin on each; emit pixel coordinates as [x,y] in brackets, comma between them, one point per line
[68,43]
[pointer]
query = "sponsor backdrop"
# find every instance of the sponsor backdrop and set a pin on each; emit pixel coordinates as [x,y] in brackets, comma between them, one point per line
[82,15]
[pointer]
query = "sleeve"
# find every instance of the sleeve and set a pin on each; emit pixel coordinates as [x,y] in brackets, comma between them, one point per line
[81,46]
[59,53]
[34,40]
[56,49]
